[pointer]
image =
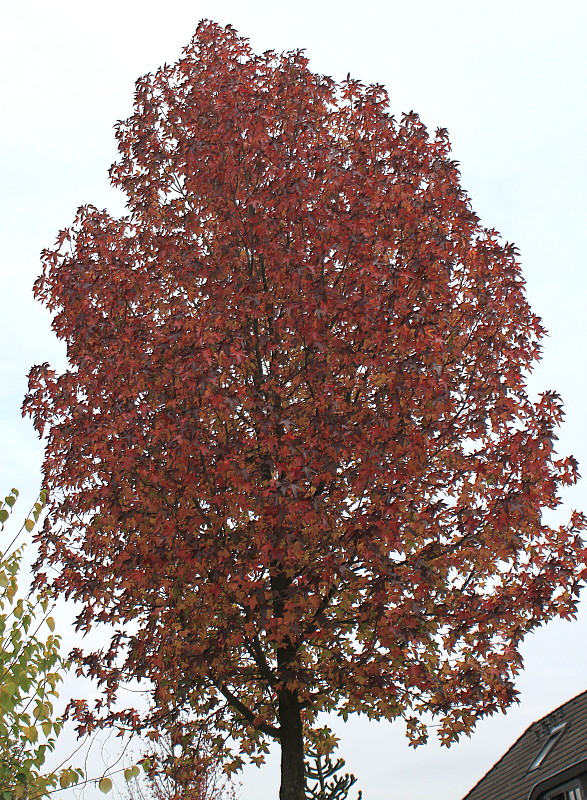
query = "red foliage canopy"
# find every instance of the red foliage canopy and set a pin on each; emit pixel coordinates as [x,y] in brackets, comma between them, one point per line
[293,445]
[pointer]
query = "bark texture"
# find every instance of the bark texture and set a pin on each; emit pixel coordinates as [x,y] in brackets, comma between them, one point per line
[293,781]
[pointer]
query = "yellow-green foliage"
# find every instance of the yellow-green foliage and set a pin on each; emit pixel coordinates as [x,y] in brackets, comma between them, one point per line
[30,670]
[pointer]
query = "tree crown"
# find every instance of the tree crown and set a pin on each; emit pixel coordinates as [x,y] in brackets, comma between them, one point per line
[293,446]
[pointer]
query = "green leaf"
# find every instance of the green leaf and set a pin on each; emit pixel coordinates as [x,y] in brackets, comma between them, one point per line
[10,500]
[41,711]
[3,515]
[31,733]
[29,524]
[74,774]
[146,764]
[51,623]
[105,785]
[47,727]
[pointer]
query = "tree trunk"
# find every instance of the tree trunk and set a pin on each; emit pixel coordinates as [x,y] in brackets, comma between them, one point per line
[293,780]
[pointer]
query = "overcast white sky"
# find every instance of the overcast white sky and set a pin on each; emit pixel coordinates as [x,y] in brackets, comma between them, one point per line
[505,77]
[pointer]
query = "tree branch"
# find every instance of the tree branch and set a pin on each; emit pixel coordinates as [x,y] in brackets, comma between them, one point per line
[250,716]
[256,652]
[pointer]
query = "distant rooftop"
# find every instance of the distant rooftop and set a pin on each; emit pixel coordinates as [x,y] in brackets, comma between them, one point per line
[551,751]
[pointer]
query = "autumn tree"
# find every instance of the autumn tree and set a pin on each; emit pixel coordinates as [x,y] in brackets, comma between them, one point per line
[293,444]
[182,766]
